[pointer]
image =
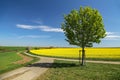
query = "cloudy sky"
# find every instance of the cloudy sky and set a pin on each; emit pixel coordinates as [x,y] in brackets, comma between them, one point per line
[38,22]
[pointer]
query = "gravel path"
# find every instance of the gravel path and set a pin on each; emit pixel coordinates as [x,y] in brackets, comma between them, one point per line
[30,72]
[33,71]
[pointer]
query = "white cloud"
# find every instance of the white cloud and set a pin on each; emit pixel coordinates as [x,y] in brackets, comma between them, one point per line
[33,36]
[41,27]
[25,26]
[50,29]
[109,33]
[112,36]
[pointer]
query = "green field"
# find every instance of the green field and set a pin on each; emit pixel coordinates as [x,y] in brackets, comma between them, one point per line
[66,70]
[11,49]
[8,55]
[7,59]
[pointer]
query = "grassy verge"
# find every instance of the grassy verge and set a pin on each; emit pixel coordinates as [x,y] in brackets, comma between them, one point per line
[7,65]
[8,55]
[6,61]
[67,70]
[104,59]
[34,59]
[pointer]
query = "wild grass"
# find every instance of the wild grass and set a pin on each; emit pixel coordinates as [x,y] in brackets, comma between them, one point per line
[67,70]
[8,55]
[7,59]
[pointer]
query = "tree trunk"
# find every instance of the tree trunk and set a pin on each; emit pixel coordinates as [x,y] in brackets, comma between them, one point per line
[83,56]
[79,56]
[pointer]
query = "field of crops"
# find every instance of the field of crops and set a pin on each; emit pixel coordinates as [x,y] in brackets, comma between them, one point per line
[8,55]
[93,53]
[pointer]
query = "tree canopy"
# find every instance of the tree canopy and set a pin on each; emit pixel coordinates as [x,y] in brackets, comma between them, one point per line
[83,27]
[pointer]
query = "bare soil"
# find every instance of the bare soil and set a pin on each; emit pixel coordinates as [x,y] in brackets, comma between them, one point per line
[24,60]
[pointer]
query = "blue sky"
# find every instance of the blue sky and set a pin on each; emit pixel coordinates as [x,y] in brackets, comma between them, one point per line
[38,22]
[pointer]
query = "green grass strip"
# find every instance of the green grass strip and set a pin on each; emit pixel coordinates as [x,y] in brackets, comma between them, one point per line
[67,70]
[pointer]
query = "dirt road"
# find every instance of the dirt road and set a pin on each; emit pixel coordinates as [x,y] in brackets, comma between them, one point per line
[30,72]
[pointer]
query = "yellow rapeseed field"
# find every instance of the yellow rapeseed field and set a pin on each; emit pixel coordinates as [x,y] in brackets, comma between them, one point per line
[74,52]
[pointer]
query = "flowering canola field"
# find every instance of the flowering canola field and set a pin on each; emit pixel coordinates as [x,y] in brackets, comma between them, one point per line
[98,53]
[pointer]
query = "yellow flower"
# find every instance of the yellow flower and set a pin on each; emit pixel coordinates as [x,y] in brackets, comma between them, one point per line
[74,52]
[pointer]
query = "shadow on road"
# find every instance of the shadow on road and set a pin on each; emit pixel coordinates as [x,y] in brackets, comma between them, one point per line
[52,65]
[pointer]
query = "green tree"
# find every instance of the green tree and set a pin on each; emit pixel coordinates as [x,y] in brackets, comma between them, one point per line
[83,27]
